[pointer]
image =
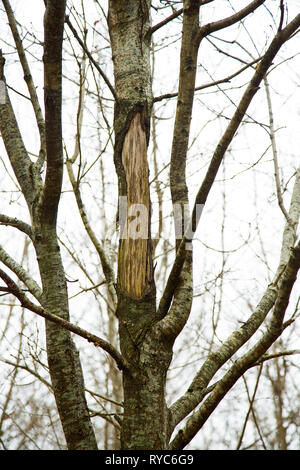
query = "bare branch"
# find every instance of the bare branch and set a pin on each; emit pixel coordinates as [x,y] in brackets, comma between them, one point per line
[107,268]
[31,371]
[242,364]
[281,15]
[23,167]
[290,230]
[94,394]
[96,65]
[53,38]
[172,17]
[230,20]
[238,338]
[211,84]
[218,156]
[13,289]
[185,404]
[166,21]
[27,77]
[269,357]
[22,274]
[183,296]
[275,153]
[251,401]
[14,222]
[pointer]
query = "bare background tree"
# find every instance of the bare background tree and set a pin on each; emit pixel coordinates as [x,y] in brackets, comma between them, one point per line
[174,106]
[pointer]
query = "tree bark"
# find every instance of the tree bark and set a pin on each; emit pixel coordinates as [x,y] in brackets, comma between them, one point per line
[142,345]
[63,358]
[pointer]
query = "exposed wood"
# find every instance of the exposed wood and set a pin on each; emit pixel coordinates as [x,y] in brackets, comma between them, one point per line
[135,270]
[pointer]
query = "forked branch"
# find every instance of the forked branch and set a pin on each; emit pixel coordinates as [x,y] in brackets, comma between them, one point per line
[204,190]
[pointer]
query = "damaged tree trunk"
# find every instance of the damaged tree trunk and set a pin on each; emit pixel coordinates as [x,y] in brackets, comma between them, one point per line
[145,421]
[135,260]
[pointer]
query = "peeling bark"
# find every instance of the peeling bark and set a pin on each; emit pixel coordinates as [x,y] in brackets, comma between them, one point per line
[135,256]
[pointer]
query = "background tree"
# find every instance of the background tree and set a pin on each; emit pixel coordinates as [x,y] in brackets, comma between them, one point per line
[145,296]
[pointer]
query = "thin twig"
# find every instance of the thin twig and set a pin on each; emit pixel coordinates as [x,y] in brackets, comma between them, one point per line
[275,155]
[165,21]
[14,222]
[250,409]
[96,65]
[211,84]
[28,79]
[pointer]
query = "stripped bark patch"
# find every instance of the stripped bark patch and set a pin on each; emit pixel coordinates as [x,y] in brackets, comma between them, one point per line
[135,263]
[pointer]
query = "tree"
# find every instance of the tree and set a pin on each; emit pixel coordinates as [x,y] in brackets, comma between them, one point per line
[147,326]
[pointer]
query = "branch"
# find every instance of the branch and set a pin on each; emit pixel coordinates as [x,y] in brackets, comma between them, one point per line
[15,148]
[230,20]
[281,15]
[22,274]
[172,17]
[165,21]
[107,417]
[96,65]
[208,85]
[31,371]
[53,39]
[212,27]
[268,357]
[94,394]
[27,77]
[19,224]
[13,289]
[242,364]
[107,268]
[285,288]
[84,270]
[250,408]
[217,158]
[275,153]
[290,230]
[183,295]
[184,405]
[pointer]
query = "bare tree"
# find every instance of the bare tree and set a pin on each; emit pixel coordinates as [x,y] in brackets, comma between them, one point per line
[147,326]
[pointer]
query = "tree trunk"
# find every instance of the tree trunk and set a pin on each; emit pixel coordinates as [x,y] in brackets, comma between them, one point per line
[145,420]
[63,357]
